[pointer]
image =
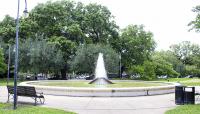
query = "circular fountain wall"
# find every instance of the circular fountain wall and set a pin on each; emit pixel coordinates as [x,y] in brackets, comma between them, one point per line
[102,91]
[101,81]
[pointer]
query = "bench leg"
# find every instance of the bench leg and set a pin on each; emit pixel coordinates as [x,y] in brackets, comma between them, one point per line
[197,97]
[42,100]
[35,101]
[147,92]
[8,98]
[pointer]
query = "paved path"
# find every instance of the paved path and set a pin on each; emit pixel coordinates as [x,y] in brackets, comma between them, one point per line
[105,105]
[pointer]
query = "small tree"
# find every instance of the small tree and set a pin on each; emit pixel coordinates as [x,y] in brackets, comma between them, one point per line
[86,58]
[39,56]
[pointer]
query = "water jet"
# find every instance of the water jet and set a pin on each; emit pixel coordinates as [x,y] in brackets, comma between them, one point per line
[100,73]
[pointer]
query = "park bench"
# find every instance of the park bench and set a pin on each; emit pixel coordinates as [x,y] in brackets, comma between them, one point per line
[26,91]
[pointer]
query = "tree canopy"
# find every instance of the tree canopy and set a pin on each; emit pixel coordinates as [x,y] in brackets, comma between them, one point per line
[135,45]
[188,55]
[195,24]
[39,56]
[185,50]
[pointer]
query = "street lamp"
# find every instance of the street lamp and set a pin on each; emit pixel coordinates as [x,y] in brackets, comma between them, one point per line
[16,53]
[120,65]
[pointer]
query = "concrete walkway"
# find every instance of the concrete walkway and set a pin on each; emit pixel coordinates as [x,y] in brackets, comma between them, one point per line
[104,105]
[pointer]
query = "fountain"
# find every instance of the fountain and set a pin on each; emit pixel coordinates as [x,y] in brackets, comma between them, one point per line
[100,73]
[101,88]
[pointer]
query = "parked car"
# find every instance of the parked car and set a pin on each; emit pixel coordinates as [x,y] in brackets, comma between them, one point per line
[135,76]
[163,76]
[189,76]
[113,75]
[89,77]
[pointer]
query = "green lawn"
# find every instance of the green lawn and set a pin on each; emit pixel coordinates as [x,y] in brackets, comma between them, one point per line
[3,82]
[86,84]
[185,109]
[174,79]
[27,109]
[184,81]
[134,84]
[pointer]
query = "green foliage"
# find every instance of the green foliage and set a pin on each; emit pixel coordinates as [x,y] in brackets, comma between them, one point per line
[185,109]
[167,56]
[137,69]
[188,54]
[2,64]
[135,45]
[79,23]
[192,70]
[66,46]
[39,56]
[99,24]
[51,17]
[196,60]
[163,64]
[185,50]
[86,58]
[149,71]
[65,25]
[195,24]
[145,71]
[7,29]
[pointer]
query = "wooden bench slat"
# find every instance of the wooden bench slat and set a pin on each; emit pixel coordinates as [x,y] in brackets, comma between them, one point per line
[26,91]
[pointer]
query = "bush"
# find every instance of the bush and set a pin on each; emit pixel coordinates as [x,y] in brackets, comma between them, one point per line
[192,70]
[149,71]
[145,71]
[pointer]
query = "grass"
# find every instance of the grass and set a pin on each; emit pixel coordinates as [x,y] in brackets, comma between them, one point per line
[3,81]
[183,81]
[185,109]
[134,84]
[27,109]
[85,84]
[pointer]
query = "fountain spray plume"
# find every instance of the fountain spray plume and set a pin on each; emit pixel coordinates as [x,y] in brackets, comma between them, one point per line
[100,72]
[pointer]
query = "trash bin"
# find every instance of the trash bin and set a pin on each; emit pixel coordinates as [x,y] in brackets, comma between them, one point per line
[189,96]
[179,95]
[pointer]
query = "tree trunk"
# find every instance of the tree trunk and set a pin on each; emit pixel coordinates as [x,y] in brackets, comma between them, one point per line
[63,74]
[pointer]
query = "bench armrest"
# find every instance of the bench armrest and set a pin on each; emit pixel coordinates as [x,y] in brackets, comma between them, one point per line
[39,93]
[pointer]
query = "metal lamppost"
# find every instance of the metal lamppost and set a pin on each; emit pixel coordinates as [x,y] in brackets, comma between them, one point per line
[120,65]
[16,53]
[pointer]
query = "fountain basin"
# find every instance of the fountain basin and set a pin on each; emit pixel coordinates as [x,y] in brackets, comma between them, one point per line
[103,91]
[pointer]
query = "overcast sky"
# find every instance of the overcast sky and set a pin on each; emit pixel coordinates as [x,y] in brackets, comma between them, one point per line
[166,19]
